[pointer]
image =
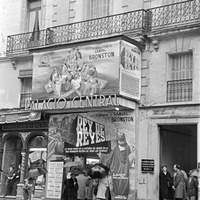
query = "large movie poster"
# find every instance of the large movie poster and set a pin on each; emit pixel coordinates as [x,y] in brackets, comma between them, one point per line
[79,71]
[109,135]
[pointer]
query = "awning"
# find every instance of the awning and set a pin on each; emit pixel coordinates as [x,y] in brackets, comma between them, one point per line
[19,117]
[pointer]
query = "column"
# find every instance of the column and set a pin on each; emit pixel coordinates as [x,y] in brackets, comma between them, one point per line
[21,183]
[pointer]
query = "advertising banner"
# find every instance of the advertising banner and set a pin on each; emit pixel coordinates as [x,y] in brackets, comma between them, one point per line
[81,71]
[105,68]
[107,135]
[130,70]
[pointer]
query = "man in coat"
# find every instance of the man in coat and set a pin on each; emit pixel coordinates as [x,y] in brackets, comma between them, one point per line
[179,184]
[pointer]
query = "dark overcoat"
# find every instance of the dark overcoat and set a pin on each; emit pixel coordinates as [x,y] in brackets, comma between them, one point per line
[165,185]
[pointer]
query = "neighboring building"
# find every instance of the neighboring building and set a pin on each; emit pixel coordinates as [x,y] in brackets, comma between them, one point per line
[85,78]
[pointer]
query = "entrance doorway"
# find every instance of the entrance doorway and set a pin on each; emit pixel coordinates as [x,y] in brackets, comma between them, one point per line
[178,145]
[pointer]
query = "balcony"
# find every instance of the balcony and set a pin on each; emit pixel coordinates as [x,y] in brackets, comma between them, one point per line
[127,23]
[175,16]
[156,20]
[179,90]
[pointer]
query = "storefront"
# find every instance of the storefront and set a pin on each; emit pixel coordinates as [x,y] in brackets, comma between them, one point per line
[90,93]
[23,134]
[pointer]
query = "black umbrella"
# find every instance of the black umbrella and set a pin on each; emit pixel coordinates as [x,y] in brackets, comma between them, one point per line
[98,170]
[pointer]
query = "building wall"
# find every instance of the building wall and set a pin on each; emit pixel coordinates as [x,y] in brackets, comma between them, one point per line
[9,85]
[159,65]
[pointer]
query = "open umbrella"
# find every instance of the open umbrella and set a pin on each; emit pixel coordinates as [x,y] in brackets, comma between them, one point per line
[72,164]
[98,170]
[194,172]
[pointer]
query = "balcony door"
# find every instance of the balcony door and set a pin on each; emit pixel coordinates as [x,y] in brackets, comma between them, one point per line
[34,15]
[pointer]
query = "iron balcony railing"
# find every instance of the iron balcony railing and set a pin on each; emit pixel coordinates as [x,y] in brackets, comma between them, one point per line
[135,22]
[24,98]
[179,90]
[175,16]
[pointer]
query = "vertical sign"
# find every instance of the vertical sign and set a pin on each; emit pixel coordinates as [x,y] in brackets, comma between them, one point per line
[55,177]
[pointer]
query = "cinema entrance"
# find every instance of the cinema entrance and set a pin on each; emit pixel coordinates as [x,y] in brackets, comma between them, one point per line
[80,140]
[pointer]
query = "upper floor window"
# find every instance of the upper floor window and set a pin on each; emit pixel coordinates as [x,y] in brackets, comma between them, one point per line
[99,8]
[179,85]
[26,86]
[34,15]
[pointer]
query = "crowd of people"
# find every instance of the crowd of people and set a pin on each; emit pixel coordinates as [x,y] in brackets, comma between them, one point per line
[178,186]
[79,185]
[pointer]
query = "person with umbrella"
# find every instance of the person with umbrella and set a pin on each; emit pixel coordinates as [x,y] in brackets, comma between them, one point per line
[100,172]
[71,187]
[192,185]
[29,188]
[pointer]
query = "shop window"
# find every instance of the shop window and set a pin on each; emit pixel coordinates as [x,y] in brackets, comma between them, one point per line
[26,91]
[99,8]
[179,85]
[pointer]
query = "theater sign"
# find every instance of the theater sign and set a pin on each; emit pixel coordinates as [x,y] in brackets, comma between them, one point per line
[100,69]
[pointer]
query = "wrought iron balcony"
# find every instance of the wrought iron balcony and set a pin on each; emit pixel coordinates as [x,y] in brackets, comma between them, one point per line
[179,90]
[175,16]
[131,22]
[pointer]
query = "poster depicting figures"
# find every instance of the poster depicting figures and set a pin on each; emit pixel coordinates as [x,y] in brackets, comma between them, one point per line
[110,136]
[104,68]
[79,71]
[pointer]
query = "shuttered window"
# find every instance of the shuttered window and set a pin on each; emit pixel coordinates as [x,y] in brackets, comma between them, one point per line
[179,85]
[99,8]
[181,66]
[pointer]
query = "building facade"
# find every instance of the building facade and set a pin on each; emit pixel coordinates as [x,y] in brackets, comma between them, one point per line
[89,80]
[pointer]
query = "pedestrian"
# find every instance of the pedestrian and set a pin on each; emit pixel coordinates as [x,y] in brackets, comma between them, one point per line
[83,182]
[192,186]
[29,188]
[16,179]
[72,187]
[166,182]
[179,183]
[9,184]
[103,186]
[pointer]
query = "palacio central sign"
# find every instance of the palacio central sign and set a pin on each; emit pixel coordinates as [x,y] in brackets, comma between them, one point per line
[76,102]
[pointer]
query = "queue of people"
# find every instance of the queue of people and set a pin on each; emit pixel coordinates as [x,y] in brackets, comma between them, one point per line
[180,186]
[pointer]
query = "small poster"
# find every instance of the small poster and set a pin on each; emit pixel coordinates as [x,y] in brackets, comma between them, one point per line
[55,177]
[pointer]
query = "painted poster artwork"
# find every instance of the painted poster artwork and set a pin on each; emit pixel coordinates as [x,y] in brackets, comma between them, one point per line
[88,133]
[80,71]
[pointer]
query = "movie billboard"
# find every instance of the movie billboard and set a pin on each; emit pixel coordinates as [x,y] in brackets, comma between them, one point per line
[100,69]
[79,71]
[109,136]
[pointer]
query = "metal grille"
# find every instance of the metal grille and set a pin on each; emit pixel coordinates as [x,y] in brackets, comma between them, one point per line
[180,14]
[179,90]
[24,98]
[131,22]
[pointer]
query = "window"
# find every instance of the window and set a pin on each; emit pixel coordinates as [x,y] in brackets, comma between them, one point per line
[179,87]
[26,90]
[34,20]
[99,8]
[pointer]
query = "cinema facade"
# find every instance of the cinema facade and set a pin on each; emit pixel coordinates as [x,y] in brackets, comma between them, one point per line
[84,107]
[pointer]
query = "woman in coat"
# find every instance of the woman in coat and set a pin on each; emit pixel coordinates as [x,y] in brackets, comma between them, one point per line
[165,180]
[179,184]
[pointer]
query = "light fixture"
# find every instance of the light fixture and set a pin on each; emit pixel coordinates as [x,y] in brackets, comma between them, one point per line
[14,64]
[117,108]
